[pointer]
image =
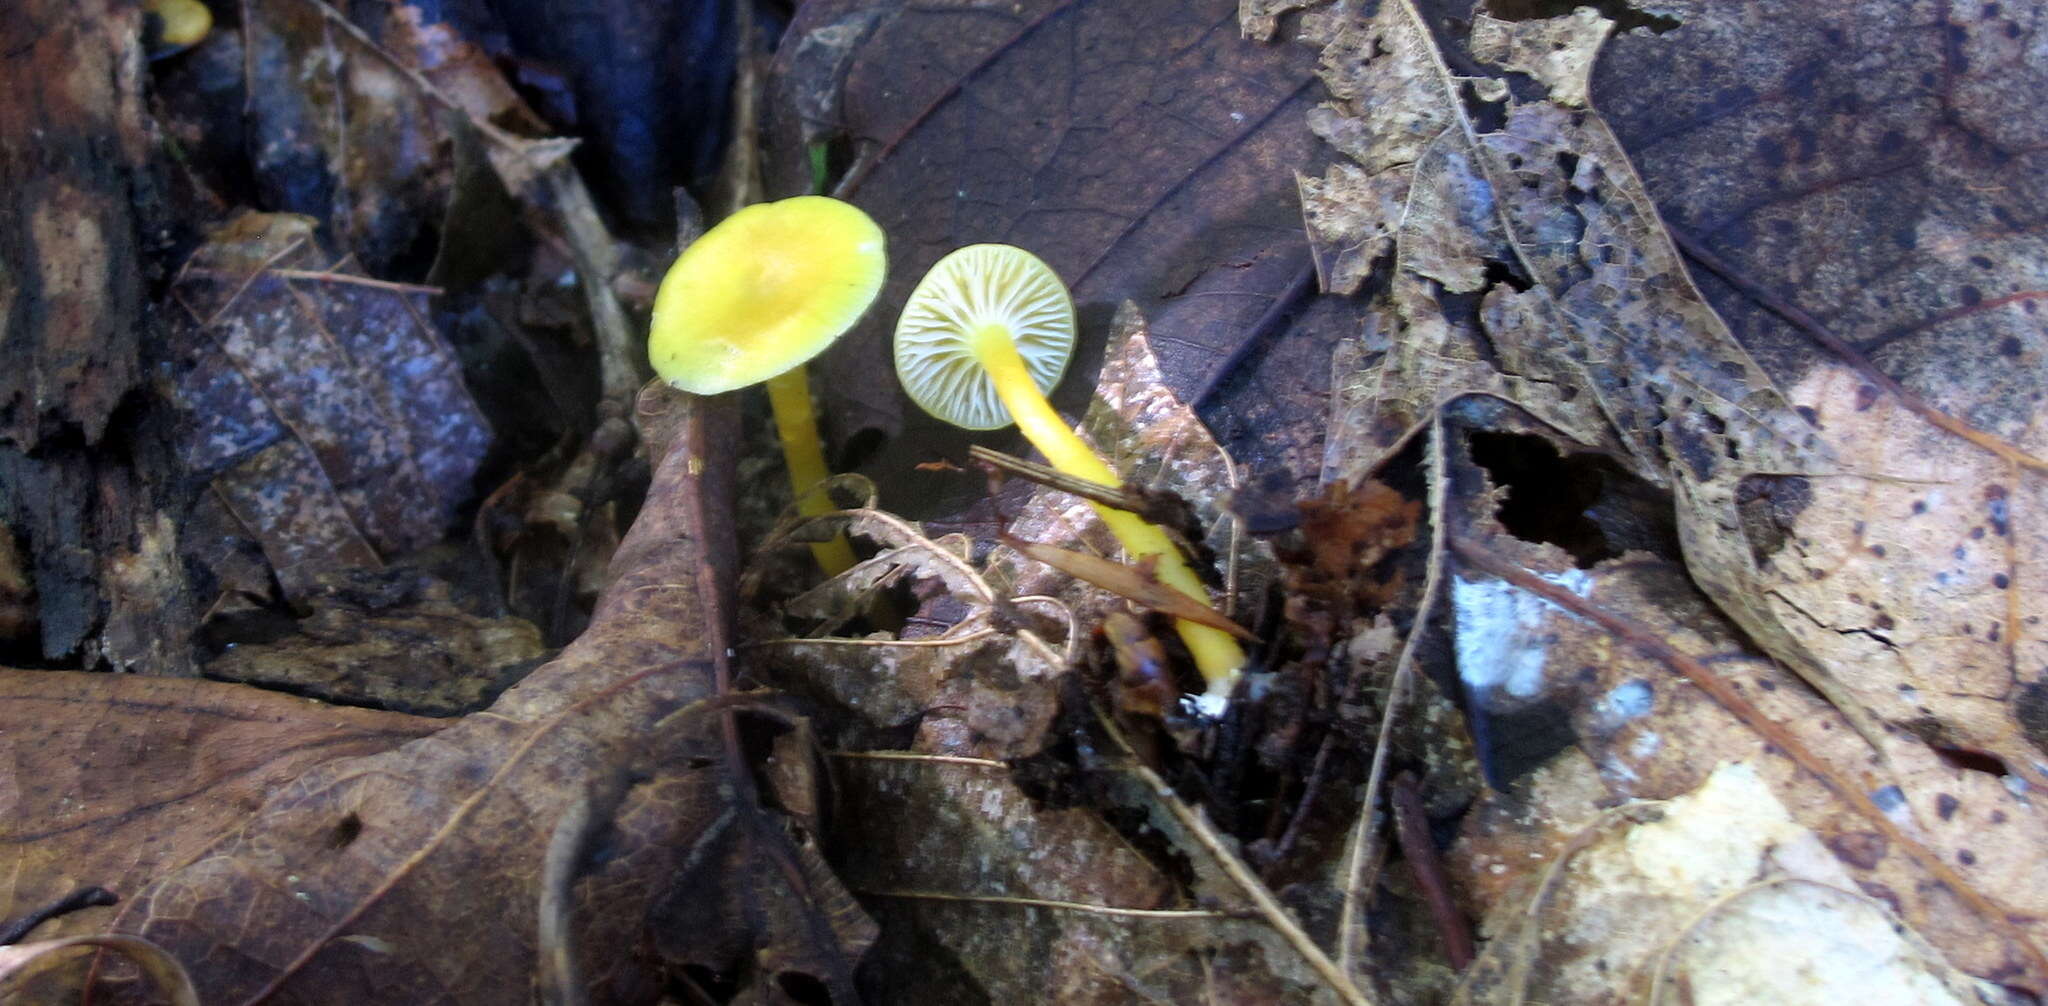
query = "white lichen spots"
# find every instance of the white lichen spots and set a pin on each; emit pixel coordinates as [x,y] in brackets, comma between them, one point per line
[1892,800]
[1623,703]
[1645,745]
[1500,641]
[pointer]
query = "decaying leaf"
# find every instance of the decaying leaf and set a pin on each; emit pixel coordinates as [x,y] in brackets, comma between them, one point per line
[1529,265]
[329,412]
[1631,729]
[391,640]
[1890,228]
[383,852]
[1774,914]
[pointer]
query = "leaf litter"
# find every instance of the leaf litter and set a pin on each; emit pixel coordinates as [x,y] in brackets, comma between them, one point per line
[1527,265]
[1516,282]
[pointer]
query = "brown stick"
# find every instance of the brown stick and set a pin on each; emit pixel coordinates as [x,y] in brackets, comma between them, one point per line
[1411,829]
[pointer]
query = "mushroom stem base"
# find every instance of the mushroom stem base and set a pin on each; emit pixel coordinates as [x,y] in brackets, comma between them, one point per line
[1216,654]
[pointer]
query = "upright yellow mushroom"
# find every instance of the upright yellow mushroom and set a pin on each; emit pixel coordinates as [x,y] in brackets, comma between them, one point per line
[986,333]
[755,299]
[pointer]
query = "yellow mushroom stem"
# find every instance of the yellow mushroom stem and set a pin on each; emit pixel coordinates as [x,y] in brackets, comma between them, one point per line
[796,424]
[1216,654]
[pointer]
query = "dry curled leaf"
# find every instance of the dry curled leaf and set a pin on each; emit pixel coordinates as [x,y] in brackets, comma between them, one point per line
[997,685]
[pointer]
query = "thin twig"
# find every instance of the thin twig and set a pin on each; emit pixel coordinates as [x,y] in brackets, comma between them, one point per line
[913,756]
[1351,922]
[1418,849]
[1219,852]
[84,897]
[1066,906]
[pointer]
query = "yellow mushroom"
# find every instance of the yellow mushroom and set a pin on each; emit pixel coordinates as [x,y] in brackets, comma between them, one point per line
[172,26]
[986,333]
[756,298]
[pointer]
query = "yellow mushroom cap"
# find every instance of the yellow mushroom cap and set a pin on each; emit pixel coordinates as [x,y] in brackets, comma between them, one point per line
[179,24]
[764,291]
[967,291]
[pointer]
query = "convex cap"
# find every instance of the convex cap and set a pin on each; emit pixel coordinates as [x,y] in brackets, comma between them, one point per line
[766,290]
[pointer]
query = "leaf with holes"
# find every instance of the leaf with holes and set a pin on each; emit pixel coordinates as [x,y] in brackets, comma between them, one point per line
[1869,234]
[1859,530]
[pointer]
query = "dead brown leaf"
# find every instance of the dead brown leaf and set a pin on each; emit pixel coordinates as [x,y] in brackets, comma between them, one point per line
[1871,246]
[1133,145]
[413,867]
[330,413]
[1529,265]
